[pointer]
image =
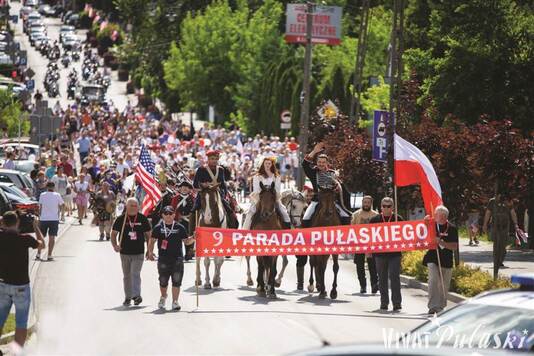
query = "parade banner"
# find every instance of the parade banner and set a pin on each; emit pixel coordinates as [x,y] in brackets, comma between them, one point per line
[364,238]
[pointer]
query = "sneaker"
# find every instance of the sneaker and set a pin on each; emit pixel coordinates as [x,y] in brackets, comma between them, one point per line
[161,303]
[137,300]
[127,302]
[176,306]
[470,243]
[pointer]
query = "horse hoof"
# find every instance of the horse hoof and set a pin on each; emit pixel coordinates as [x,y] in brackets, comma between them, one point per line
[333,294]
[260,291]
[198,283]
[322,295]
[207,286]
[311,288]
[271,295]
[250,282]
[216,283]
[277,283]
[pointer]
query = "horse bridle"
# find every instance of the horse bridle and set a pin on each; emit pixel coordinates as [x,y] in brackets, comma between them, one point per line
[290,212]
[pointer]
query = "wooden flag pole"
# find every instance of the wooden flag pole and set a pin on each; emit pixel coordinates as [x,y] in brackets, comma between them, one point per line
[124,213]
[439,261]
[197,260]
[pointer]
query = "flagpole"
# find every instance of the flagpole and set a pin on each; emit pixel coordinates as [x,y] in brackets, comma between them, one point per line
[439,259]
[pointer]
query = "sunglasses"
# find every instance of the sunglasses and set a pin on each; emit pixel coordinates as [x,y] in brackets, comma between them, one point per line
[386,206]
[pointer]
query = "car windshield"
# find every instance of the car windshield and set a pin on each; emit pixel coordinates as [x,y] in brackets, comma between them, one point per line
[13,189]
[93,91]
[481,326]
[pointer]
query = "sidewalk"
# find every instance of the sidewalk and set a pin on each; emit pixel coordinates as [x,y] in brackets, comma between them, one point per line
[516,261]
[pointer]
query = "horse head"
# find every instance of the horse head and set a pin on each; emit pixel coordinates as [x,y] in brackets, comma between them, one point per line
[295,203]
[267,201]
[212,210]
[327,213]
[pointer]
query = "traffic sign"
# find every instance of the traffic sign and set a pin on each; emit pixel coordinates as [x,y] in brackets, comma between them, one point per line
[285,120]
[29,73]
[30,84]
[380,135]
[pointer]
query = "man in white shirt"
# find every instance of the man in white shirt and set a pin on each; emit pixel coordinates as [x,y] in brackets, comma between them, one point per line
[50,203]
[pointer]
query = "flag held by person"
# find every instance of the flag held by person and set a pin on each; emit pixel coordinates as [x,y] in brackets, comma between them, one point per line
[145,174]
[413,167]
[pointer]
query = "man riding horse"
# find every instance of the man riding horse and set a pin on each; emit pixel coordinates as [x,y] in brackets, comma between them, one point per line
[324,178]
[211,175]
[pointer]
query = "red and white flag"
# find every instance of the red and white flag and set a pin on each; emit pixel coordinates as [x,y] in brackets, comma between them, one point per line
[413,167]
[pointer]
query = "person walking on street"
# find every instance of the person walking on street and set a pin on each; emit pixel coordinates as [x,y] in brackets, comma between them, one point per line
[132,230]
[81,187]
[84,146]
[14,276]
[363,216]
[388,264]
[447,240]
[61,183]
[51,204]
[105,206]
[169,236]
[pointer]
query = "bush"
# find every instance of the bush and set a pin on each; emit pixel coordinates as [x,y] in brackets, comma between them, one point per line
[466,280]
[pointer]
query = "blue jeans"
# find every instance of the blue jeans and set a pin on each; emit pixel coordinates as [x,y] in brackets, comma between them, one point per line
[20,296]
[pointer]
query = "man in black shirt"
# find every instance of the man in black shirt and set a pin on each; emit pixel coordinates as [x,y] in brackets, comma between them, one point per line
[447,239]
[14,277]
[133,230]
[388,264]
[169,235]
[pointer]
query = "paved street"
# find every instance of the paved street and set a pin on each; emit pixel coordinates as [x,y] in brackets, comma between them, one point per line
[38,63]
[78,303]
[516,261]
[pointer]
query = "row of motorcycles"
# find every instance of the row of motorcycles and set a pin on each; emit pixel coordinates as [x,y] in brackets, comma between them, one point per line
[51,80]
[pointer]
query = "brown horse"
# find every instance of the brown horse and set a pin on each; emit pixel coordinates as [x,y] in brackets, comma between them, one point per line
[325,215]
[266,218]
[212,214]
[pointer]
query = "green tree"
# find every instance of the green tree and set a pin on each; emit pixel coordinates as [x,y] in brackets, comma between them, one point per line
[10,114]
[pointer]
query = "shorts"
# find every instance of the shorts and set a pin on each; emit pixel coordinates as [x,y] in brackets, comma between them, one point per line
[50,227]
[170,269]
[20,296]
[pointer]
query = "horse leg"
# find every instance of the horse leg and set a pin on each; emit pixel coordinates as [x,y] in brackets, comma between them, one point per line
[249,274]
[272,276]
[278,281]
[207,261]
[311,287]
[198,280]
[217,275]
[260,289]
[319,275]
[333,292]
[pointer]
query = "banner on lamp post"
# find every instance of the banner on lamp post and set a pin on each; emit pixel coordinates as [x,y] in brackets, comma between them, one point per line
[326,27]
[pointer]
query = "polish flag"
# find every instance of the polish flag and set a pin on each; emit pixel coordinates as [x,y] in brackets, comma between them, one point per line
[413,167]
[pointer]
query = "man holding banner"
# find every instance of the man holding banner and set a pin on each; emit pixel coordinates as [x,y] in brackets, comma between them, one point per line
[388,264]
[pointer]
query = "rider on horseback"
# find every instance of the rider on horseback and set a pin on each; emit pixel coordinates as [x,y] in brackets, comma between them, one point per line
[267,174]
[211,175]
[322,177]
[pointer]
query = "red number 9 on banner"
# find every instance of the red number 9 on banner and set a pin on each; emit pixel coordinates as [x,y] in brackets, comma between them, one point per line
[218,236]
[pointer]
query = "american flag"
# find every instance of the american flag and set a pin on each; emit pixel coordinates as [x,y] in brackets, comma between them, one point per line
[145,173]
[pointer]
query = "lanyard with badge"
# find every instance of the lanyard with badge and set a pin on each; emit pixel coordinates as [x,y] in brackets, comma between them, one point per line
[166,233]
[132,233]
[444,233]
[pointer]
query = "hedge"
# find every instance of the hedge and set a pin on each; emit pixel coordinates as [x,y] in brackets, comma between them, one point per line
[466,280]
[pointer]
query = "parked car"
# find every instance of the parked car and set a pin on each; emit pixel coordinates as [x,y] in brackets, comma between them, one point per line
[73,20]
[21,180]
[36,37]
[46,10]
[26,210]
[505,314]
[14,190]
[25,166]
[5,59]
[65,30]
[33,3]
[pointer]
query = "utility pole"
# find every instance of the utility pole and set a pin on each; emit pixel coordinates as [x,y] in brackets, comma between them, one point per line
[395,74]
[360,62]
[305,95]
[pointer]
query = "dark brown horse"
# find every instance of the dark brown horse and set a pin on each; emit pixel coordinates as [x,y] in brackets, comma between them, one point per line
[266,218]
[212,214]
[325,215]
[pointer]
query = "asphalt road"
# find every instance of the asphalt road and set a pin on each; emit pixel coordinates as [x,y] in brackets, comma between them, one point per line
[78,300]
[38,63]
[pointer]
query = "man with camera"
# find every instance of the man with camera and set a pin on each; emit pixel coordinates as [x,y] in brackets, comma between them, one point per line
[14,276]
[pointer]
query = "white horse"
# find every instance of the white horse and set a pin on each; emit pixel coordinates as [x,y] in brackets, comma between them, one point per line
[212,214]
[296,205]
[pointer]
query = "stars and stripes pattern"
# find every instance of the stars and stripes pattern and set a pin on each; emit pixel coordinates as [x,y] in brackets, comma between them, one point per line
[145,173]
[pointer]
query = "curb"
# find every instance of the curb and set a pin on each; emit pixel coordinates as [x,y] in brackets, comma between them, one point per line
[32,320]
[414,283]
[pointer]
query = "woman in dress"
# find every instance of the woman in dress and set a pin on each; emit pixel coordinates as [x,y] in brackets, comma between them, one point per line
[267,174]
[81,188]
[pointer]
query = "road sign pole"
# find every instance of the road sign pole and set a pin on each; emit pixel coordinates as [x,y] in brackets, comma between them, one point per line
[305,109]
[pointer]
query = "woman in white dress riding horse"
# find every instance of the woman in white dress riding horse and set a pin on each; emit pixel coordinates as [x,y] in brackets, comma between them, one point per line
[267,175]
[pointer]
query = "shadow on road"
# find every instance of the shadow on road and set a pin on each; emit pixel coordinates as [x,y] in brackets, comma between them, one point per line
[255,299]
[322,302]
[123,308]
